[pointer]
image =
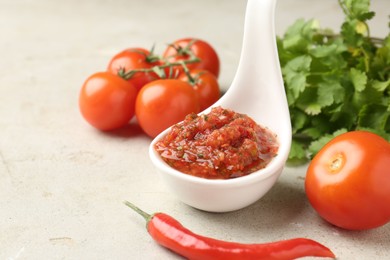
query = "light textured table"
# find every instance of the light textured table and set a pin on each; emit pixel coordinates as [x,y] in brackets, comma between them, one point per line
[62,183]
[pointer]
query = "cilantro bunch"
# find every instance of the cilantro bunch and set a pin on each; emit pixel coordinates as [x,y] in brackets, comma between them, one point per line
[335,82]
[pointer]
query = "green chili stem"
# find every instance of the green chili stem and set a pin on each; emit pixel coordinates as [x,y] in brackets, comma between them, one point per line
[145,215]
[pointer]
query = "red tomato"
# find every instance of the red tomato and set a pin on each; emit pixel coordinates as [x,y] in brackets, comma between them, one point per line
[163,103]
[209,59]
[205,85]
[107,101]
[132,59]
[348,181]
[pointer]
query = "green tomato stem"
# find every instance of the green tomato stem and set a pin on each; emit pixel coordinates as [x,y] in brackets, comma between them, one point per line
[129,74]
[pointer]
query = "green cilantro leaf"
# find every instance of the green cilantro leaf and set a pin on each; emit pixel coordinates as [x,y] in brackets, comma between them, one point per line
[316,145]
[295,73]
[297,153]
[330,92]
[359,79]
[374,116]
[335,82]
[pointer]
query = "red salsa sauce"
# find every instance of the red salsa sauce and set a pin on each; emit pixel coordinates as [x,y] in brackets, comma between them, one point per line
[220,145]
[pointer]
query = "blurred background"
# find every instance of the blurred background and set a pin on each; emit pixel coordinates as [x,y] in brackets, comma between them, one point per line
[85,34]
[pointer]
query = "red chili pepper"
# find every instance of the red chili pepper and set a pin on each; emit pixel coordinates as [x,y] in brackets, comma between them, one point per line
[169,233]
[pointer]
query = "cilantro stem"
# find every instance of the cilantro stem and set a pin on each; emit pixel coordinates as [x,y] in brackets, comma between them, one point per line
[344,8]
[366,60]
[375,40]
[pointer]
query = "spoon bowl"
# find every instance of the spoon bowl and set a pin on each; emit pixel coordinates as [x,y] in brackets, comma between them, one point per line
[257,91]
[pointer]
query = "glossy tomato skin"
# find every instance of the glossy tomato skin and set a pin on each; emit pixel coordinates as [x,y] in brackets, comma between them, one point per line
[348,181]
[205,85]
[131,59]
[163,103]
[107,101]
[209,59]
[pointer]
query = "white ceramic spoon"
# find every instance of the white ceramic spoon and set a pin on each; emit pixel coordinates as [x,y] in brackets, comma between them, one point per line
[257,90]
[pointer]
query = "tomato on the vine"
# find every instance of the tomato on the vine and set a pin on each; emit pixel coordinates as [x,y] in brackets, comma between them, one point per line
[133,59]
[180,50]
[348,181]
[162,103]
[205,85]
[107,101]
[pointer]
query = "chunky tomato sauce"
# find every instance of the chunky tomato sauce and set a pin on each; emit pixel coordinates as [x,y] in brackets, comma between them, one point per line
[220,145]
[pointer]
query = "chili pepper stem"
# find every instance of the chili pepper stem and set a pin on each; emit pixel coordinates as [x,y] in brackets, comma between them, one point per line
[145,215]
